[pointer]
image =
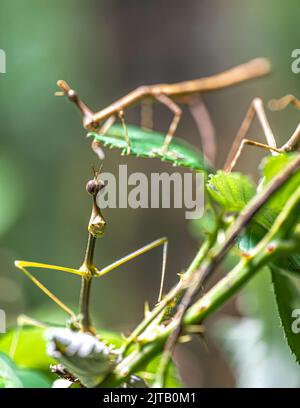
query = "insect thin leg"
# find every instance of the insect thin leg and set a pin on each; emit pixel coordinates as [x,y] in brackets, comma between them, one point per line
[161,241]
[250,142]
[163,270]
[147,113]
[22,320]
[22,265]
[165,100]
[256,108]
[293,141]
[282,103]
[96,145]
[122,118]
[205,127]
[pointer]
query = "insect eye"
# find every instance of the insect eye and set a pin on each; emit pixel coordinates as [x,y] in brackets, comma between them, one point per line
[72,95]
[92,187]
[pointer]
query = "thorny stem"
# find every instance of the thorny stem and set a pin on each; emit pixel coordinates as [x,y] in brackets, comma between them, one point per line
[200,277]
[229,285]
[173,294]
[272,245]
[217,253]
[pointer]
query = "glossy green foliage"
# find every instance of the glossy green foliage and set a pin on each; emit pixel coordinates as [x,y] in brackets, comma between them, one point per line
[147,143]
[287,293]
[253,344]
[231,190]
[271,167]
[30,350]
[12,376]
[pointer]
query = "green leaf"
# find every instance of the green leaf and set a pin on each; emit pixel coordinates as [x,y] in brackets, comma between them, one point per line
[263,220]
[231,190]
[201,227]
[110,338]
[272,166]
[11,376]
[288,303]
[134,382]
[248,240]
[172,379]
[147,143]
[30,350]
[8,375]
[254,345]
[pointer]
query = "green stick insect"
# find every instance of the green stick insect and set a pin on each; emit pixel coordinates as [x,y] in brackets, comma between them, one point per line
[87,271]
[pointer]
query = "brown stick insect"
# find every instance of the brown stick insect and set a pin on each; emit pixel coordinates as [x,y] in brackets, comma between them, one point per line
[170,95]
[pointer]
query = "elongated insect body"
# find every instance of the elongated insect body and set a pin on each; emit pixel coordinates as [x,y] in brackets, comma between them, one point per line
[88,270]
[97,223]
[166,94]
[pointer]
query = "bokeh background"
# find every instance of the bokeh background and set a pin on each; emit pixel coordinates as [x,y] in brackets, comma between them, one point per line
[105,49]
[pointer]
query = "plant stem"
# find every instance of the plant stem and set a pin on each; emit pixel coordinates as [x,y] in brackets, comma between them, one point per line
[218,252]
[273,244]
[200,276]
[209,303]
[174,293]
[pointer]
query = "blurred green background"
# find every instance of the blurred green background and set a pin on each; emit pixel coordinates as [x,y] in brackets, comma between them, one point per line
[105,49]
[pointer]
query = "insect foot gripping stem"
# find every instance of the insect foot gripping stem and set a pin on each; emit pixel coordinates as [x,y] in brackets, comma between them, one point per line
[97,223]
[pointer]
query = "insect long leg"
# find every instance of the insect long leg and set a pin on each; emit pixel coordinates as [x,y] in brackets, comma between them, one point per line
[293,141]
[161,241]
[205,127]
[165,100]
[22,265]
[256,108]
[282,103]
[22,321]
[147,113]
[96,145]
[122,118]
